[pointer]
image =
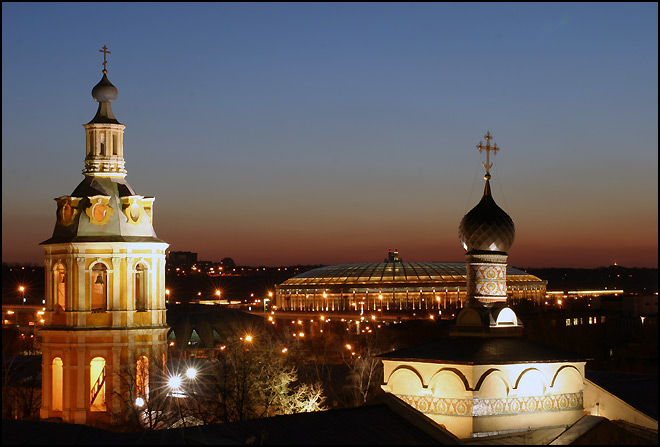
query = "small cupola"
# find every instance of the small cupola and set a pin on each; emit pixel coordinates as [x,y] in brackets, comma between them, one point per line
[105,135]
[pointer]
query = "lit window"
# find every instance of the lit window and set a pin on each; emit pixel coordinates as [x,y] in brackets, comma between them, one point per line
[568,322]
[602,319]
[142,377]
[575,321]
[60,281]
[141,297]
[58,383]
[97,384]
[99,287]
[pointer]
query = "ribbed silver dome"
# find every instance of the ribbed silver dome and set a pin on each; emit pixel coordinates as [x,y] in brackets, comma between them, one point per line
[487,227]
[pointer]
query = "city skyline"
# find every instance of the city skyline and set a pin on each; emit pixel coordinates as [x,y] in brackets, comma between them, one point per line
[282,134]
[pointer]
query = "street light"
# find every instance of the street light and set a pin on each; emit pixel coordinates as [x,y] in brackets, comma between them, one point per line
[270,295]
[22,290]
[174,382]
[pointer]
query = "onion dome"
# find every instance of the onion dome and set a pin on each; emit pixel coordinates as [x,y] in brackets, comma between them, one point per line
[104,93]
[486,227]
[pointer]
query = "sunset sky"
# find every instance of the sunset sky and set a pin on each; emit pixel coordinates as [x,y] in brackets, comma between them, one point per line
[304,133]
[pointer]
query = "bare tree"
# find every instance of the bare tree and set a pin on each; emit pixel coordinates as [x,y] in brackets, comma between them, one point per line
[251,379]
[146,402]
[21,375]
[365,375]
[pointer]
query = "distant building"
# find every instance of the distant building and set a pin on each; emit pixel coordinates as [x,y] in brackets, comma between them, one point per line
[393,285]
[181,259]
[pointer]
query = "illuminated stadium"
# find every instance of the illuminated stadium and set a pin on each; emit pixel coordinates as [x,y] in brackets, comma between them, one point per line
[393,285]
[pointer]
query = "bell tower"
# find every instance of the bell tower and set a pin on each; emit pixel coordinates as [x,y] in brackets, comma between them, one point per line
[105,283]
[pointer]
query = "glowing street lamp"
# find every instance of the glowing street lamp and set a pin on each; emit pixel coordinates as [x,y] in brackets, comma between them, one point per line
[174,383]
[270,296]
[191,373]
[22,290]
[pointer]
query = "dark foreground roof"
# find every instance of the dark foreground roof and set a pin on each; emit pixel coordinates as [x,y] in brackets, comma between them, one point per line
[393,423]
[484,351]
[638,390]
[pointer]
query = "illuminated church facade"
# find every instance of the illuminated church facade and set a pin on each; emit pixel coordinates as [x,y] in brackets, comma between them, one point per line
[105,316]
[486,379]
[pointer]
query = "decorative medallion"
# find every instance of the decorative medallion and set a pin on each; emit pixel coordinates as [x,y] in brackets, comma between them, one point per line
[132,209]
[67,209]
[147,205]
[99,211]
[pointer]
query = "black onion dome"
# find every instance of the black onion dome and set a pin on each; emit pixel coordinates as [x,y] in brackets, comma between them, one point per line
[104,91]
[487,227]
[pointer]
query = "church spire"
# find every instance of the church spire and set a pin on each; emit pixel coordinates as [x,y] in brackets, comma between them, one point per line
[105,135]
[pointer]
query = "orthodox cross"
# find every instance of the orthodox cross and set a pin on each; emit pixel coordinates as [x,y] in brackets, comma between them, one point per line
[487,148]
[104,51]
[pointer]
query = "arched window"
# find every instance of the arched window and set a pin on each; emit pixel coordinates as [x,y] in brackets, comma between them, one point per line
[99,287]
[97,384]
[142,378]
[102,151]
[58,384]
[141,297]
[60,287]
[115,144]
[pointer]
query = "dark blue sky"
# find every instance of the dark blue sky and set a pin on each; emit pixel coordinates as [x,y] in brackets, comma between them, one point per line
[286,133]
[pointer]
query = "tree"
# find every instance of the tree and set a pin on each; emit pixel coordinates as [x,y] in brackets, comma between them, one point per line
[145,400]
[21,375]
[365,375]
[252,378]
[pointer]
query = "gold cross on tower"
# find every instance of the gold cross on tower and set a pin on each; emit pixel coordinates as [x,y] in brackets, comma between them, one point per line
[104,51]
[487,148]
